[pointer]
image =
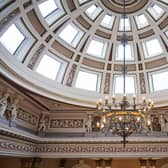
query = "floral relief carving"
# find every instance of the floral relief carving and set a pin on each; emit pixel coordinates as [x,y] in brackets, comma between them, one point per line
[66,123]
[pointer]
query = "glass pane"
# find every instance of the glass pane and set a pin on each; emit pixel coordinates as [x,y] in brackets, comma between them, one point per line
[141,21]
[91,10]
[127,24]
[96,48]
[47,7]
[68,34]
[87,81]
[14,43]
[160,81]
[48,67]
[129,84]
[155,11]
[107,21]
[152,48]
[128,52]
[166,33]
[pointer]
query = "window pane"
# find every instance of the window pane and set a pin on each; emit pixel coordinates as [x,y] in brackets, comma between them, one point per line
[48,67]
[160,81]
[87,81]
[68,34]
[166,33]
[128,52]
[141,21]
[71,34]
[14,43]
[156,11]
[93,11]
[47,7]
[152,48]
[129,84]
[97,48]
[107,21]
[127,24]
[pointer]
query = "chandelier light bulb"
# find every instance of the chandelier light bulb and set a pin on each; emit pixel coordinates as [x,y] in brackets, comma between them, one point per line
[144,100]
[98,124]
[138,119]
[102,125]
[148,122]
[134,98]
[113,99]
[106,100]
[104,119]
[120,118]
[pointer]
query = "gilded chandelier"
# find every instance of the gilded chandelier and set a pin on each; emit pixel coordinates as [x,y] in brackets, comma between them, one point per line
[124,118]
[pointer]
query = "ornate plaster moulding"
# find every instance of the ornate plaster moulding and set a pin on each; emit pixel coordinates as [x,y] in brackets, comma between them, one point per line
[31,81]
[132,6]
[15,133]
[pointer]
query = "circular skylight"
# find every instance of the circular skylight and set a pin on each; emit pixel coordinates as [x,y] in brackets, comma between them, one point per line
[71,50]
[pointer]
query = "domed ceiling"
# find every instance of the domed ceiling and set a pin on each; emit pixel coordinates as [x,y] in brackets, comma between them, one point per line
[71,50]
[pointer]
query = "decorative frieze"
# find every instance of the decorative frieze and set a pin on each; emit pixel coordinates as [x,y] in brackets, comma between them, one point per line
[137,149]
[14,146]
[35,56]
[66,123]
[81,148]
[107,84]
[71,75]
[8,18]
[27,117]
[142,83]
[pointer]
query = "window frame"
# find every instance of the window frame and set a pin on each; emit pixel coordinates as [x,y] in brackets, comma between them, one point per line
[127,75]
[98,82]
[153,13]
[108,26]
[117,52]
[25,45]
[76,39]
[138,24]
[62,68]
[95,13]
[104,50]
[55,14]
[146,50]
[166,33]
[151,82]
[121,26]
[82,1]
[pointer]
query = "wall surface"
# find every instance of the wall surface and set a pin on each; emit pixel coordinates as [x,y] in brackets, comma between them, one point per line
[13,162]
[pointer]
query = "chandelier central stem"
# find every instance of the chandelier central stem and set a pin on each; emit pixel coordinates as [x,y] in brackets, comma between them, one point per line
[124,41]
